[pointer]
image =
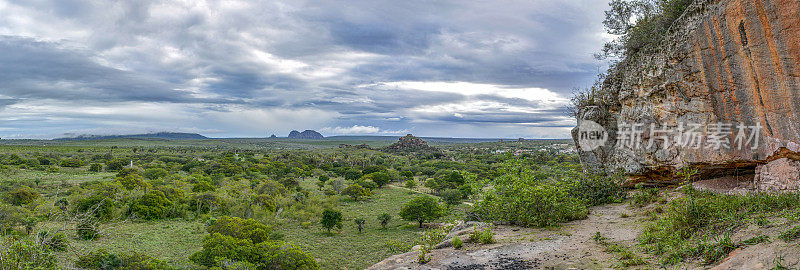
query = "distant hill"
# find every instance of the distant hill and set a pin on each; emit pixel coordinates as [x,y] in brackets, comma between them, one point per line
[158,135]
[307,134]
[411,145]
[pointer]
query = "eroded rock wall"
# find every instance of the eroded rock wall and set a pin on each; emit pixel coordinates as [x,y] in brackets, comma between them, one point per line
[726,61]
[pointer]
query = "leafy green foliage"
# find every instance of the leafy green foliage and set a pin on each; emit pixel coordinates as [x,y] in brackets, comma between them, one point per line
[152,205]
[331,219]
[451,197]
[422,209]
[21,196]
[218,249]
[23,253]
[640,24]
[72,163]
[356,192]
[682,231]
[250,229]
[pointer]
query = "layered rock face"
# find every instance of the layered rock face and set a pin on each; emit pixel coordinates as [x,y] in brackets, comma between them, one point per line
[727,64]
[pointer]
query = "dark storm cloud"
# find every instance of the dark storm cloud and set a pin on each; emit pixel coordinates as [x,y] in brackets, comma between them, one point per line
[264,59]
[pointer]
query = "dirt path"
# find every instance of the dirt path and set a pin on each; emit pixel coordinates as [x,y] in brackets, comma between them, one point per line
[569,247]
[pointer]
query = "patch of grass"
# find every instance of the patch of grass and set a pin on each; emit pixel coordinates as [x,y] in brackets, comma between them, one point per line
[350,249]
[791,234]
[644,197]
[681,232]
[169,240]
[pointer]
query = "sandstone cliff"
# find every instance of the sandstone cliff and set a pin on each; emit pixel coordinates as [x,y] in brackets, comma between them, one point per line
[726,61]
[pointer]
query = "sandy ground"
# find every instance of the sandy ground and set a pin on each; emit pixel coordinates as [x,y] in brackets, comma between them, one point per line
[568,247]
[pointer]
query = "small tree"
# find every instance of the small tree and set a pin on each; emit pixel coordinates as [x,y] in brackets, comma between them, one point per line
[360,223]
[421,209]
[384,219]
[451,197]
[330,219]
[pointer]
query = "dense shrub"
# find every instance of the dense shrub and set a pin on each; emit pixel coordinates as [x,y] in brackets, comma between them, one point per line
[12,216]
[681,231]
[132,181]
[72,162]
[21,196]
[356,192]
[22,253]
[155,173]
[531,196]
[251,229]
[95,167]
[98,206]
[203,186]
[218,248]
[451,197]
[115,165]
[152,205]
[380,178]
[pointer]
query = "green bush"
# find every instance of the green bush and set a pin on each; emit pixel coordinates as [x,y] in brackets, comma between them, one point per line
[380,178]
[532,204]
[22,254]
[132,181]
[356,192]
[152,205]
[451,197]
[115,165]
[203,186]
[250,229]
[265,255]
[155,173]
[95,167]
[97,206]
[411,184]
[422,209]
[21,196]
[11,217]
[72,162]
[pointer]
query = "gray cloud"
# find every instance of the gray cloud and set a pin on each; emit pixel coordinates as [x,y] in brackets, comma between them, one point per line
[73,60]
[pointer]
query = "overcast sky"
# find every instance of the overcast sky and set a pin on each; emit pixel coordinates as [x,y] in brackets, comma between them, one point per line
[254,68]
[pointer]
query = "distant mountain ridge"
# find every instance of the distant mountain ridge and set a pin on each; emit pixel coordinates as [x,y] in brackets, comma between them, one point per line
[157,135]
[306,134]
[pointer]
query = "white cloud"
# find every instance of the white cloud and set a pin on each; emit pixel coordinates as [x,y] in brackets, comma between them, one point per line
[355,129]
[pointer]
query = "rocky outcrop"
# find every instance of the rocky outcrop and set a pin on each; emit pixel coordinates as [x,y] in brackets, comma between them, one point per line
[307,134]
[727,65]
[411,145]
